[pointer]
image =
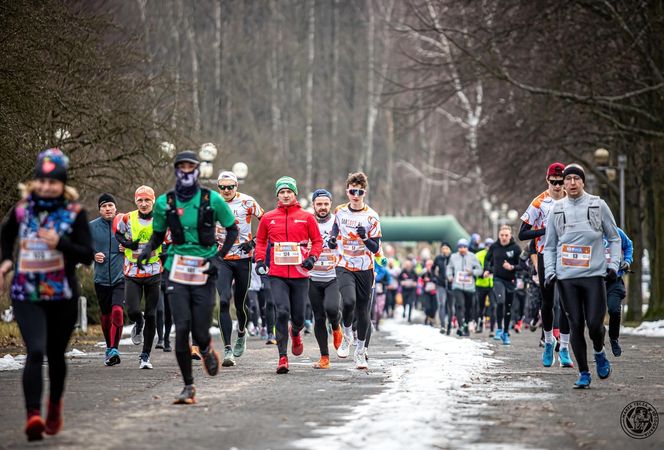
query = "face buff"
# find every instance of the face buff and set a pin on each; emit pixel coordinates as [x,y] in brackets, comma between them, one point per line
[186,184]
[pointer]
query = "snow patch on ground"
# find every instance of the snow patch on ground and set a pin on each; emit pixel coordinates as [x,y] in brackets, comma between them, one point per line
[8,362]
[431,387]
[650,329]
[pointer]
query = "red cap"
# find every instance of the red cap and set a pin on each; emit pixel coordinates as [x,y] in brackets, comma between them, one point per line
[555,170]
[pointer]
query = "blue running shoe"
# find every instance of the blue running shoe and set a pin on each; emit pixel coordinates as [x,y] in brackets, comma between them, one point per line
[498,335]
[602,365]
[547,356]
[584,381]
[108,350]
[113,357]
[564,358]
[615,347]
[506,339]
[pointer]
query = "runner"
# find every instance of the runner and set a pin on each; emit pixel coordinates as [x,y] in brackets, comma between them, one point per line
[484,290]
[442,291]
[191,213]
[108,277]
[323,290]
[358,228]
[133,232]
[429,294]
[408,282]
[52,233]
[615,289]
[235,266]
[164,315]
[502,260]
[574,255]
[383,280]
[290,230]
[533,226]
[462,269]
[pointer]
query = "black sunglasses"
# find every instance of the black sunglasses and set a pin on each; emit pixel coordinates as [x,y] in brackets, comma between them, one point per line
[356,192]
[230,187]
[556,182]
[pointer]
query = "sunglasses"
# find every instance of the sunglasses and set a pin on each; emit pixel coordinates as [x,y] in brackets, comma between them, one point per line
[356,192]
[556,182]
[227,188]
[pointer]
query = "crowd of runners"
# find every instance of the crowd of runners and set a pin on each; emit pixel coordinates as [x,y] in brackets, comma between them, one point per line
[325,271]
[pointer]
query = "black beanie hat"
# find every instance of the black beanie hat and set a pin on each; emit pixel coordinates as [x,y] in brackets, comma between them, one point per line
[105,198]
[575,169]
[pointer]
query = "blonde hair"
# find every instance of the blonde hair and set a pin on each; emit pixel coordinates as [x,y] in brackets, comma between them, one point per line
[506,227]
[28,188]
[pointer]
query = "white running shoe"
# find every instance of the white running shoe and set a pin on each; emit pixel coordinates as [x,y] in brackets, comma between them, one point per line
[361,360]
[136,336]
[344,349]
[145,362]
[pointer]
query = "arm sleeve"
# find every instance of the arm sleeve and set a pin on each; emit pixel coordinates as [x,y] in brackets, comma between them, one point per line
[156,239]
[314,236]
[231,235]
[127,243]
[261,241]
[8,235]
[373,244]
[611,232]
[627,247]
[550,247]
[77,246]
[449,270]
[526,232]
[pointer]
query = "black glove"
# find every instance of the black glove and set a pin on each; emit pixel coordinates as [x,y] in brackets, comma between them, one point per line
[309,262]
[624,266]
[144,255]
[611,275]
[550,280]
[332,242]
[261,268]
[247,247]
[362,232]
[211,270]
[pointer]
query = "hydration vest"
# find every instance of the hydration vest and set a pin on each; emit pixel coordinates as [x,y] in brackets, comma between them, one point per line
[206,222]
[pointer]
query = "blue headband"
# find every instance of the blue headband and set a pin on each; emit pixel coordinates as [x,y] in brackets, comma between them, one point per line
[320,193]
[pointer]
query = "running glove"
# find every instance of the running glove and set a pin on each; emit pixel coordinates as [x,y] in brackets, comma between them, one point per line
[247,247]
[332,243]
[211,270]
[362,232]
[309,262]
[624,266]
[144,255]
[550,279]
[261,268]
[611,275]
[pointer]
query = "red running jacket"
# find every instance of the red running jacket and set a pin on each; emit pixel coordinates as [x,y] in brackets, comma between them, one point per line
[288,223]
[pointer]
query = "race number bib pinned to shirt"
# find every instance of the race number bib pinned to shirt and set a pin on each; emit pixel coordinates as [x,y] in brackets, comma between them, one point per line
[287,254]
[353,247]
[464,278]
[326,261]
[189,270]
[576,256]
[36,257]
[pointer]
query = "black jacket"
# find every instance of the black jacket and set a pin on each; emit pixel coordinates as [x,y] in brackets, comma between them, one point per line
[498,254]
[439,269]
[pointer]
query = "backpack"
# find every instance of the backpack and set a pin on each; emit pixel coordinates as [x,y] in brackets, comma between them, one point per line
[206,222]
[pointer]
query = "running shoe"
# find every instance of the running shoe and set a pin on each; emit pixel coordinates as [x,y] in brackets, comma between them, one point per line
[449,331]
[195,352]
[187,396]
[34,427]
[361,360]
[282,366]
[459,332]
[108,350]
[498,335]
[145,362]
[480,326]
[517,326]
[211,361]
[136,335]
[534,323]
[264,333]
[307,326]
[240,346]
[338,337]
[113,357]
[584,381]
[564,358]
[323,362]
[547,356]
[602,365]
[271,340]
[251,329]
[160,344]
[505,338]
[167,345]
[297,347]
[229,359]
[344,349]
[615,347]
[54,419]
[442,330]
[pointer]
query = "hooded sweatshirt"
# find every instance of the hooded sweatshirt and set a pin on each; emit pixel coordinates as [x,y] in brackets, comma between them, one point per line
[498,254]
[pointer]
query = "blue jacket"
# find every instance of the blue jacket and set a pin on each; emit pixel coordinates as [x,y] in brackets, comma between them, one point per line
[108,273]
[382,275]
[626,247]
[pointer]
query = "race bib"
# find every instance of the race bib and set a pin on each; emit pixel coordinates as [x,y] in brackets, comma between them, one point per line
[430,286]
[353,247]
[189,270]
[326,261]
[464,278]
[287,254]
[520,285]
[137,252]
[36,257]
[577,256]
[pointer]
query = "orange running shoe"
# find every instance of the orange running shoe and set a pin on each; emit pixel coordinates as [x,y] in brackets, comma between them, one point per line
[282,367]
[323,362]
[195,353]
[34,427]
[54,419]
[338,336]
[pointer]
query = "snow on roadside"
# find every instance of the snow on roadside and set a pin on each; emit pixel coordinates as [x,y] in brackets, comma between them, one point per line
[428,396]
[8,362]
[650,329]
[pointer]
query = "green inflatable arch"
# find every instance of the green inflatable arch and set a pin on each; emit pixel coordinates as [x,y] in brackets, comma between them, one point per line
[422,228]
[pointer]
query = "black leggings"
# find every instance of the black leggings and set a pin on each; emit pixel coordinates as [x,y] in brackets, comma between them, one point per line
[192,308]
[584,300]
[519,306]
[355,290]
[463,304]
[390,301]
[482,309]
[325,303]
[267,307]
[290,298]
[615,293]
[408,297]
[504,292]
[46,328]
[548,301]
[135,288]
[164,315]
[240,271]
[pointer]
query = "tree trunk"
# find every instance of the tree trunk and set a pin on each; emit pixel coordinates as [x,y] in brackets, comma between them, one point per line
[309,140]
[142,6]
[218,51]
[175,32]
[191,36]
[334,126]
[389,177]
[655,211]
